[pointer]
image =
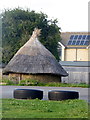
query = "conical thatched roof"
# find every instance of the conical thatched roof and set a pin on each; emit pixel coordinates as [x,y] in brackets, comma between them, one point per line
[34,58]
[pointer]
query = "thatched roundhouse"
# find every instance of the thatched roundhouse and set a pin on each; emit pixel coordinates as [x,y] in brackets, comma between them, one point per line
[34,61]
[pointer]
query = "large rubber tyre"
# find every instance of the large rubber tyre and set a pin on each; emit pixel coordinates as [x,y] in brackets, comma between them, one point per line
[28,94]
[62,95]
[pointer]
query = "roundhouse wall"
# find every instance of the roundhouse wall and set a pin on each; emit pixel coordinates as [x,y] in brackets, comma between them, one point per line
[16,78]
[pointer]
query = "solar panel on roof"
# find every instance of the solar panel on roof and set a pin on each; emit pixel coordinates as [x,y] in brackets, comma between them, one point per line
[88,37]
[71,37]
[86,42]
[84,36]
[79,40]
[73,42]
[82,42]
[80,36]
[76,36]
[69,43]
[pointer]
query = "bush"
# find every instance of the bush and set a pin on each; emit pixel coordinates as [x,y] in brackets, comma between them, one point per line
[7,81]
[28,82]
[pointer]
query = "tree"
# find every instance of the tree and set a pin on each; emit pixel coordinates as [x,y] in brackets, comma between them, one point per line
[17,27]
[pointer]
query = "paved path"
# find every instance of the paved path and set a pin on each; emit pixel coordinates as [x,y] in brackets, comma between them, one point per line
[7,91]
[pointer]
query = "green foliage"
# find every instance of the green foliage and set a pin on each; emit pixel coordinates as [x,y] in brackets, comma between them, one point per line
[54,84]
[17,27]
[31,82]
[7,81]
[28,82]
[0,40]
[13,108]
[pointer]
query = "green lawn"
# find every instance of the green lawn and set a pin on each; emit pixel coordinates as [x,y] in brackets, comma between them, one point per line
[0,109]
[13,108]
[29,82]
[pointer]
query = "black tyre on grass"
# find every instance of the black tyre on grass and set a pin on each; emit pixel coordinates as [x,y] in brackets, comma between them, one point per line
[62,95]
[28,94]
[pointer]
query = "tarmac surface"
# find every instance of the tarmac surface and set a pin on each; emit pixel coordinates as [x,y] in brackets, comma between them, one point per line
[7,91]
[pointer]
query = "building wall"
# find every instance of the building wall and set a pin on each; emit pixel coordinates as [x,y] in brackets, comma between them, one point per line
[70,55]
[76,55]
[77,75]
[82,54]
[16,78]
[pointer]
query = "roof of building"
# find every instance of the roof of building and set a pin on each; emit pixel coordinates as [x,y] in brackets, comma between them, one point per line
[75,39]
[75,63]
[34,58]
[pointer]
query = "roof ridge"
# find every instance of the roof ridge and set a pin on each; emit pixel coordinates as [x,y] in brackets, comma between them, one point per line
[76,32]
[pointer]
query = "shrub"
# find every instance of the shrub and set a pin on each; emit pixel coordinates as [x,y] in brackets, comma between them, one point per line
[7,81]
[28,82]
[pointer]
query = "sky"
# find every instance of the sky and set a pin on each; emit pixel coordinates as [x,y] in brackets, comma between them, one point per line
[72,15]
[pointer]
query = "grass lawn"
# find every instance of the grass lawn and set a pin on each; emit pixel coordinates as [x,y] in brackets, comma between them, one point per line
[12,108]
[50,84]
[67,85]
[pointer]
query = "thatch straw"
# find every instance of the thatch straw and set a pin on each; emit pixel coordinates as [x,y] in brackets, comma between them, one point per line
[34,58]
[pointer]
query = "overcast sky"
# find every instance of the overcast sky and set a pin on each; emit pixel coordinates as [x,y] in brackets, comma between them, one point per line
[72,15]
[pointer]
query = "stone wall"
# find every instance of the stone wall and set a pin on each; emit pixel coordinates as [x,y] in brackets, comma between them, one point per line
[42,78]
